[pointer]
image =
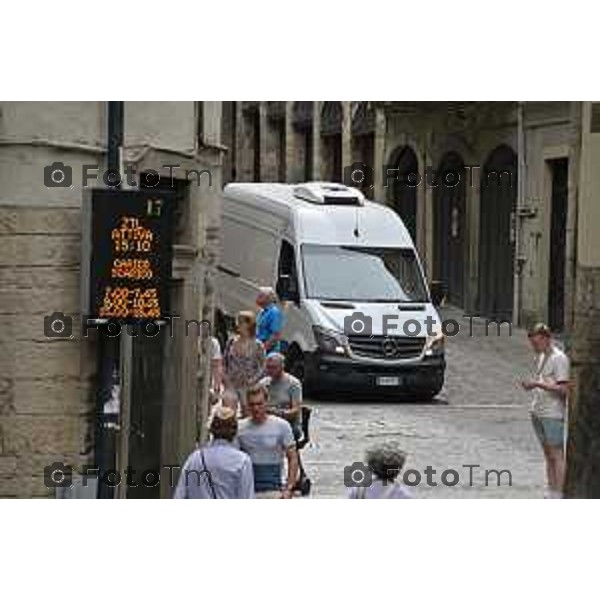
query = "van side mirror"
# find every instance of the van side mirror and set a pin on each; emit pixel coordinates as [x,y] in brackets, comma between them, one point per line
[287,289]
[437,291]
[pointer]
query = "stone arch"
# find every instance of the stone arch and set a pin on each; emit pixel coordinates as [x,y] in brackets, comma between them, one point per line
[403,178]
[331,118]
[302,119]
[450,226]
[331,141]
[498,198]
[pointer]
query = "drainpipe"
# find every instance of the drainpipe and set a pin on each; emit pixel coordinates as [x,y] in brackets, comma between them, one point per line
[519,260]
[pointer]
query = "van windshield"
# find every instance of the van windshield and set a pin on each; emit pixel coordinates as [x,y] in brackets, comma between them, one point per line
[362,274]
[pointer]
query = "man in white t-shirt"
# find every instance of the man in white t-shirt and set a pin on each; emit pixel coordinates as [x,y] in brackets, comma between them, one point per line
[549,407]
[269,441]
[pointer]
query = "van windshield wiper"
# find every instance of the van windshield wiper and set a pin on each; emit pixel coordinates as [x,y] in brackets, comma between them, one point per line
[337,304]
[390,301]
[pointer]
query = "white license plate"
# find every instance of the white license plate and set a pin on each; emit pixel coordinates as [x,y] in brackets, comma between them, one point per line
[388,381]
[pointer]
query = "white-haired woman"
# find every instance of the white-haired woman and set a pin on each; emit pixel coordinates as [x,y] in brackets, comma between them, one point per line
[243,361]
[269,322]
[384,463]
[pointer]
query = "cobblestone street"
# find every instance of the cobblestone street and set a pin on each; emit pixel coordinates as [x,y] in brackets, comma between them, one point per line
[481,418]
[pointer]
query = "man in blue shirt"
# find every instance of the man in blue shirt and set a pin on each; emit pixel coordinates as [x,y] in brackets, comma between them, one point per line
[268,440]
[269,322]
[218,470]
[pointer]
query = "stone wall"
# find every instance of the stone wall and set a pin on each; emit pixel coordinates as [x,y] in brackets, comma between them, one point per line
[583,477]
[47,386]
[45,413]
[583,480]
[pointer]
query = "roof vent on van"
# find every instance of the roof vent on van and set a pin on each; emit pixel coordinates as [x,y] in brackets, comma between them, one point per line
[329,193]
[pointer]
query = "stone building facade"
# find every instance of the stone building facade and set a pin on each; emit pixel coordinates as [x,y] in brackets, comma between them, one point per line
[48,386]
[516,237]
[583,472]
[501,237]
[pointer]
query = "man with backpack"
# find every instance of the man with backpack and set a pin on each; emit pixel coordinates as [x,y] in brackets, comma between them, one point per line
[218,470]
[285,392]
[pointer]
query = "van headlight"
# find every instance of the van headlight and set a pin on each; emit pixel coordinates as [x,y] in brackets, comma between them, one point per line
[330,341]
[435,344]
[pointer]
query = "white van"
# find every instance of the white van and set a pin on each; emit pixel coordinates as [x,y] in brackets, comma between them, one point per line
[358,312]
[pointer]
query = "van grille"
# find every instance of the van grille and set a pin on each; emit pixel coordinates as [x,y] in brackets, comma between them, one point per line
[386,347]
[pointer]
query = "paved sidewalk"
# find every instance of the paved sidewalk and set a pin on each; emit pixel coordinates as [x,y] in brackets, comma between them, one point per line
[481,418]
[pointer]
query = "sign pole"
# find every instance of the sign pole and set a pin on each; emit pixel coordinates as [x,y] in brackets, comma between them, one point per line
[107,347]
[126,378]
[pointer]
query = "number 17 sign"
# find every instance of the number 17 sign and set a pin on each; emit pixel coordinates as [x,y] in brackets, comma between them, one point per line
[127,254]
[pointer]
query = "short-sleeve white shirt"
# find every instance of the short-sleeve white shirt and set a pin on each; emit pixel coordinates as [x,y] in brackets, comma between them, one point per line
[552,367]
[215,349]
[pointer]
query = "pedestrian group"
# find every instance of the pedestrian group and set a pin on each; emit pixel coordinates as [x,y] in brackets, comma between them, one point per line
[256,423]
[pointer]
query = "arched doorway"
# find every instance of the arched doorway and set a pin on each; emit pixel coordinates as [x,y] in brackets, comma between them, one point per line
[449,226]
[363,140]
[303,142]
[331,141]
[402,191]
[497,233]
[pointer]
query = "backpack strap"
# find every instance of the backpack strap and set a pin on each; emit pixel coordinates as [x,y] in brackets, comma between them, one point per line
[208,476]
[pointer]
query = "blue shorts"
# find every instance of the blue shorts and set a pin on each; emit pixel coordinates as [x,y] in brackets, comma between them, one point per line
[550,432]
